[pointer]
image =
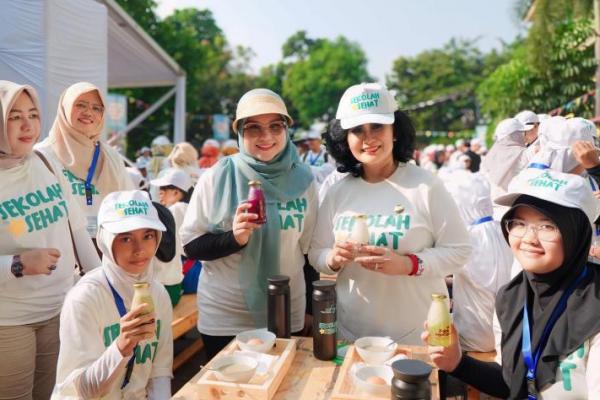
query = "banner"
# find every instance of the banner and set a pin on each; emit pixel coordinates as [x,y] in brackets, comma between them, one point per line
[220,126]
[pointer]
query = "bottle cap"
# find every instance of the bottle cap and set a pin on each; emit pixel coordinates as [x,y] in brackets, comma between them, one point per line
[438,296]
[399,209]
[361,216]
[324,284]
[279,279]
[254,183]
[141,285]
[411,371]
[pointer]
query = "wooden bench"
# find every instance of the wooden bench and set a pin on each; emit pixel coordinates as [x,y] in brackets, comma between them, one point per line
[185,318]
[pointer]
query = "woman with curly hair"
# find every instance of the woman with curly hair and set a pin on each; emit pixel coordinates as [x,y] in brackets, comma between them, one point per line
[416,236]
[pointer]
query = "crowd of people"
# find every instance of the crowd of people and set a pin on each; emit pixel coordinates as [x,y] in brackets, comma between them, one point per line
[510,233]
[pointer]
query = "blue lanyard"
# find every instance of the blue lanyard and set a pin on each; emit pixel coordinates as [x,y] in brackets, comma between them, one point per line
[482,220]
[310,159]
[531,361]
[122,311]
[90,176]
[538,166]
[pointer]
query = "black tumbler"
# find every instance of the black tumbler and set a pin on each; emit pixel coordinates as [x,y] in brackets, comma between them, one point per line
[411,380]
[278,306]
[324,320]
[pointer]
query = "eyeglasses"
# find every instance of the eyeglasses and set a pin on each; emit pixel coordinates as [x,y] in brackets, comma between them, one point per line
[361,129]
[544,231]
[84,106]
[254,129]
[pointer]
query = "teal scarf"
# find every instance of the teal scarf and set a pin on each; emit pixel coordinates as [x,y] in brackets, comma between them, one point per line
[283,179]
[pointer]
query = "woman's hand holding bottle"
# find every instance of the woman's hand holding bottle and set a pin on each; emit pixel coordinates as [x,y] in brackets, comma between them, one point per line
[444,358]
[384,260]
[243,225]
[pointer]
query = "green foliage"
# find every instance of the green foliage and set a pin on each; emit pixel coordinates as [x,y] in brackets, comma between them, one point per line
[519,85]
[457,68]
[314,84]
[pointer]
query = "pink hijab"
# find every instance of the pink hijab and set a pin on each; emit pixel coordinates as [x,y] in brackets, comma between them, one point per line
[9,92]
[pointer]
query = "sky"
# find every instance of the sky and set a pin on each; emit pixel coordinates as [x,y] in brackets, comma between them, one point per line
[385,29]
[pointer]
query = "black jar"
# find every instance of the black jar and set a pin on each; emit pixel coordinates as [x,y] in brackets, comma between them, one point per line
[278,306]
[324,320]
[411,380]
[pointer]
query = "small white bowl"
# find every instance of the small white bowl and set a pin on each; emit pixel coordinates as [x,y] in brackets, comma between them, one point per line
[234,368]
[364,372]
[267,338]
[375,350]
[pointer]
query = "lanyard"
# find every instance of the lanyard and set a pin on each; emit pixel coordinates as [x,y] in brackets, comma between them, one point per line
[531,361]
[482,220]
[313,161]
[90,175]
[538,166]
[122,311]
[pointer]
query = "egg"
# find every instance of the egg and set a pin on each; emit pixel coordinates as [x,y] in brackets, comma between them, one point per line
[254,342]
[376,380]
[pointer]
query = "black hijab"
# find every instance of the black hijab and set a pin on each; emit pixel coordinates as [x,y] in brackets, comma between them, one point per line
[579,321]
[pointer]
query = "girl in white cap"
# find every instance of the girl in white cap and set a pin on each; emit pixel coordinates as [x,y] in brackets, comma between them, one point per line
[238,254]
[110,349]
[415,234]
[41,225]
[549,344]
[174,191]
[92,167]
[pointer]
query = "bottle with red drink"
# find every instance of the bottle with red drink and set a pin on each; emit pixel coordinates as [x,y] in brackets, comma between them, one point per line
[256,198]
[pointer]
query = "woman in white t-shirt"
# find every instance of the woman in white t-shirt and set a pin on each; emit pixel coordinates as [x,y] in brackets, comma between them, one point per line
[416,236]
[174,192]
[92,168]
[37,256]
[237,254]
[109,348]
[549,344]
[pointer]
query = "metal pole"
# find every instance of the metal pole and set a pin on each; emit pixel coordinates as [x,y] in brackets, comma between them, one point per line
[147,113]
[180,110]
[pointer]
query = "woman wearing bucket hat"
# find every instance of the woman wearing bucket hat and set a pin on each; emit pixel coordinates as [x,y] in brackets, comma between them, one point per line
[239,255]
[123,349]
[92,167]
[416,236]
[42,237]
[549,344]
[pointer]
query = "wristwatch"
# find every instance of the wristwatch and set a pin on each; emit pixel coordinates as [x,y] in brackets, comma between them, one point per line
[17,267]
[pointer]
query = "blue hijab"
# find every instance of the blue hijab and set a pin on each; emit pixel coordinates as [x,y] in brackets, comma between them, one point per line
[283,179]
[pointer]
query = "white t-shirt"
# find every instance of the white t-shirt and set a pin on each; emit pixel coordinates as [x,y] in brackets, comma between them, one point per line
[35,206]
[77,185]
[89,326]
[369,302]
[221,301]
[170,273]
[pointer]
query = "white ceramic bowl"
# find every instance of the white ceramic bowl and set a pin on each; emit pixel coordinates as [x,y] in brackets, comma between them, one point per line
[267,338]
[362,374]
[374,349]
[234,368]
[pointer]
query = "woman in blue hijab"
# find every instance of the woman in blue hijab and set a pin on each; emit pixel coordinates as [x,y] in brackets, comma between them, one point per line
[239,255]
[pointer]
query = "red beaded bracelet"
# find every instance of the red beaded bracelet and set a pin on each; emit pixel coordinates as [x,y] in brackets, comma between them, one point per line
[415,264]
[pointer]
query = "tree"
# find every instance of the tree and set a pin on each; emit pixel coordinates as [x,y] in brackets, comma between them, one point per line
[315,84]
[451,73]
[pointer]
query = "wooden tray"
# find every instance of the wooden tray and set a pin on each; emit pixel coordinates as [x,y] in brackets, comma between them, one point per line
[345,389]
[259,388]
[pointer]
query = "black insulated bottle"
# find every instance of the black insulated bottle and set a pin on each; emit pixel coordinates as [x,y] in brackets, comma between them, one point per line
[411,380]
[324,319]
[278,306]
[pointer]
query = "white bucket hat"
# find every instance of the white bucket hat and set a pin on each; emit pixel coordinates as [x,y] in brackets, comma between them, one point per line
[556,187]
[127,211]
[507,127]
[173,177]
[259,102]
[366,103]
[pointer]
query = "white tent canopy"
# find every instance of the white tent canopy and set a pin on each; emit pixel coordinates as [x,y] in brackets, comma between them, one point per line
[52,44]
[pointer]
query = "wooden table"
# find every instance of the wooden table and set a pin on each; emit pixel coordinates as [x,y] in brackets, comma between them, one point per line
[185,317]
[307,379]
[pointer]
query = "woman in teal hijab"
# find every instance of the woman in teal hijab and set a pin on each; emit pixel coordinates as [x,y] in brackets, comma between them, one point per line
[239,255]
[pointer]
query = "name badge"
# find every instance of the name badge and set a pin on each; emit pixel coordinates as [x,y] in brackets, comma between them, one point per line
[92,225]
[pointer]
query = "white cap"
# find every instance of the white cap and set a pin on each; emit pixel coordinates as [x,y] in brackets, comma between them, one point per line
[230,144]
[137,178]
[127,211]
[366,103]
[582,129]
[258,102]
[313,134]
[144,149]
[211,143]
[174,177]
[141,162]
[507,127]
[459,142]
[561,133]
[161,140]
[543,117]
[567,190]
[528,118]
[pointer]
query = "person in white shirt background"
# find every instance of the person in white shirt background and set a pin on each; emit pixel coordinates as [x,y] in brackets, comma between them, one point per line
[174,192]
[108,349]
[320,162]
[416,235]
[549,346]
[40,223]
